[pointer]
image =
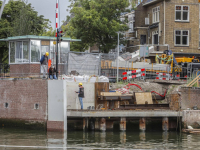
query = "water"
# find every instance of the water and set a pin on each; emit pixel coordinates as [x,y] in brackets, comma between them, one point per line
[16,139]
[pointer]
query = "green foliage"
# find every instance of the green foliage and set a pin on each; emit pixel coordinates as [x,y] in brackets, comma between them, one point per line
[96,22]
[19,18]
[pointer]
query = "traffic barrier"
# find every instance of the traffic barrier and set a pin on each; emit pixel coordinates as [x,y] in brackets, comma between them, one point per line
[164,76]
[134,76]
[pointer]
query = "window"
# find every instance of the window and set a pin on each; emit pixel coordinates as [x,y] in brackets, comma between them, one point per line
[181,37]
[35,51]
[25,52]
[155,14]
[182,13]
[155,37]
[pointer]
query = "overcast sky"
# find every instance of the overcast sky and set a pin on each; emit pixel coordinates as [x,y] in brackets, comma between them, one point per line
[48,7]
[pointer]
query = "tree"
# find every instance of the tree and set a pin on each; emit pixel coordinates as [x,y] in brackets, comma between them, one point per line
[96,22]
[19,18]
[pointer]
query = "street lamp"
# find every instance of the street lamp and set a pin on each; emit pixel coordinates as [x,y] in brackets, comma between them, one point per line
[118,58]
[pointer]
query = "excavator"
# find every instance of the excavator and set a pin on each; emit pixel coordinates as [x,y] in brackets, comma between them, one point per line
[183,67]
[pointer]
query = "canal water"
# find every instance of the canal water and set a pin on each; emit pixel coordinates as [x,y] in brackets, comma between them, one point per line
[17,139]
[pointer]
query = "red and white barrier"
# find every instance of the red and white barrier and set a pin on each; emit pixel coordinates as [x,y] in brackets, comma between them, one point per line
[164,76]
[134,76]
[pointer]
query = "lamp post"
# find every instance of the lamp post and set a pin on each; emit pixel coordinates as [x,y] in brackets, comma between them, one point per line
[118,58]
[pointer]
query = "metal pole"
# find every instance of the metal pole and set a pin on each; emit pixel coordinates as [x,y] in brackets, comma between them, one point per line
[118,59]
[57,55]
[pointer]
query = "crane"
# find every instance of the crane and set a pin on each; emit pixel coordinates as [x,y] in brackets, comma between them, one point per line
[2,7]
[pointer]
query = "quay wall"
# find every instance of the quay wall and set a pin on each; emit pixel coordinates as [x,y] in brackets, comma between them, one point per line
[190,98]
[24,100]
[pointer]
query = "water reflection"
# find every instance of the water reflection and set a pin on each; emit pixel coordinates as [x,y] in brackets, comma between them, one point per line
[23,139]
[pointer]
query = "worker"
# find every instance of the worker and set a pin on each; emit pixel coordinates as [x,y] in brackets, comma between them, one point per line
[81,94]
[44,64]
[52,72]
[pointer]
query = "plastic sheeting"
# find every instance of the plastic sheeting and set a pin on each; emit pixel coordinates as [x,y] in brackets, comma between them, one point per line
[84,63]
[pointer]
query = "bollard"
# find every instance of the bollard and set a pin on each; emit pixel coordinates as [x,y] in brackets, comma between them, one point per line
[142,124]
[103,124]
[165,124]
[123,124]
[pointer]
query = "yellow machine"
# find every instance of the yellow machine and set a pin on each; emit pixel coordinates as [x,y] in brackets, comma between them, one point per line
[185,59]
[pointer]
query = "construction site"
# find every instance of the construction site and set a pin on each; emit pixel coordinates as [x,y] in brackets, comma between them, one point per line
[142,87]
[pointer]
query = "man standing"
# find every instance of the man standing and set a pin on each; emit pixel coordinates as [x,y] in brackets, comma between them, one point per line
[44,64]
[81,94]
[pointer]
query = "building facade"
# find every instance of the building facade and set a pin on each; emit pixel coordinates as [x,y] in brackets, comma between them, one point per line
[168,22]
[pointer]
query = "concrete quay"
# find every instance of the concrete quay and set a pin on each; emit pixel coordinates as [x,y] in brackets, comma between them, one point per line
[99,120]
[122,113]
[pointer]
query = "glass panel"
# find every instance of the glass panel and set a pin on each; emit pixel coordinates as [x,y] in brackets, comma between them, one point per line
[35,51]
[44,49]
[12,52]
[185,40]
[185,32]
[185,15]
[178,15]
[25,52]
[185,7]
[155,39]
[178,7]
[18,52]
[178,32]
[178,40]
[64,50]
[52,52]
[158,17]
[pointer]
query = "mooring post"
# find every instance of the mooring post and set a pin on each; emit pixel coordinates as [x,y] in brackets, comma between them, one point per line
[142,124]
[103,124]
[165,124]
[123,124]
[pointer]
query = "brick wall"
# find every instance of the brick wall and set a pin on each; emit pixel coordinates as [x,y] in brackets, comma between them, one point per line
[17,70]
[21,96]
[192,25]
[189,98]
[55,126]
[170,24]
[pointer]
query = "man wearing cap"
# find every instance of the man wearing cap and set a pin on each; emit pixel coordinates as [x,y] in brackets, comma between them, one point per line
[52,72]
[44,64]
[81,94]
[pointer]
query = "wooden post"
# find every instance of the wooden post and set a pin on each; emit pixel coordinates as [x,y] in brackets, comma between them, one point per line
[103,124]
[123,124]
[165,124]
[142,124]
[85,124]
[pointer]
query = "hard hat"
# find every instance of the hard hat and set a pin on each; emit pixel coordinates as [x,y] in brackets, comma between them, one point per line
[80,83]
[47,53]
